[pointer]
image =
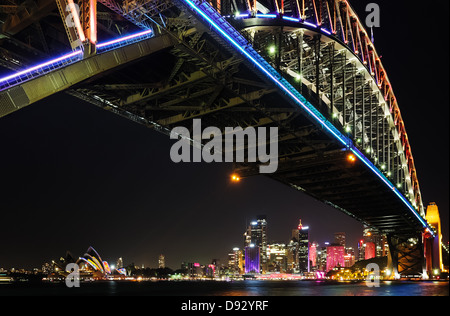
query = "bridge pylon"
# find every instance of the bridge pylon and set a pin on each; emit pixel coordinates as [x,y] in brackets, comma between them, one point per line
[406,256]
[433,245]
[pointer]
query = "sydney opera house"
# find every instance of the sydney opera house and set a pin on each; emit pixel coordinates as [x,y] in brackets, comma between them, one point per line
[90,265]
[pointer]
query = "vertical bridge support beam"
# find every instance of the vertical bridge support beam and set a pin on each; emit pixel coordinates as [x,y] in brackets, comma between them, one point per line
[80,24]
[89,24]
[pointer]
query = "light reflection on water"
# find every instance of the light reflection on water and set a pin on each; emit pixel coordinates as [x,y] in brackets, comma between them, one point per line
[237,288]
[258,288]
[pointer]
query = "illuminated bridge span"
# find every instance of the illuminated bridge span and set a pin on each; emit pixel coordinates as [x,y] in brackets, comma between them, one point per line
[307,67]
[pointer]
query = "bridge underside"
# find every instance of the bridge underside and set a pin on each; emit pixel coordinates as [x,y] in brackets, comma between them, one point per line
[199,77]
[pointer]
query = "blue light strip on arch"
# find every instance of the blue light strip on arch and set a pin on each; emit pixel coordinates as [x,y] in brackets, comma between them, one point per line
[203,9]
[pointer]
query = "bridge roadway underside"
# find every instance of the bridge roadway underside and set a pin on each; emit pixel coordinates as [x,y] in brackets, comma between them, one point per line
[199,77]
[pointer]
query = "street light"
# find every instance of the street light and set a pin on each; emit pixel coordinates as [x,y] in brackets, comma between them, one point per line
[351,158]
[235,178]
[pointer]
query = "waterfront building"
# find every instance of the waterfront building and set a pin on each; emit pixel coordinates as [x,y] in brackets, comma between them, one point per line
[195,270]
[322,258]
[349,257]
[277,257]
[210,271]
[252,259]
[370,251]
[379,241]
[236,261]
[233,259]
[335,257]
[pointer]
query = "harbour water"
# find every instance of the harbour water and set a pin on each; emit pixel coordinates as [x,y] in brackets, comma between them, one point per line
[248,288]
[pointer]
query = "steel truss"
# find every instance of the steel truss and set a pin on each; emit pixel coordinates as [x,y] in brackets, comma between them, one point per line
[326,64]
[407,255]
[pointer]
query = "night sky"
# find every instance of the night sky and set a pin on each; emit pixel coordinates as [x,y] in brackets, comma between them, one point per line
[74,175]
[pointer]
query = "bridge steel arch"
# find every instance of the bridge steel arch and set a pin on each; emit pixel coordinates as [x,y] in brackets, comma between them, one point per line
[308,67]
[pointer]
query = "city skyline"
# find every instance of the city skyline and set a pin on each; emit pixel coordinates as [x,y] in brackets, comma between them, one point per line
[338,239]
[155,262]
[77,176]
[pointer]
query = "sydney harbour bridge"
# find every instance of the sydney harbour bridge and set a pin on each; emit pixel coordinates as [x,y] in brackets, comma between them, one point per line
[308,67]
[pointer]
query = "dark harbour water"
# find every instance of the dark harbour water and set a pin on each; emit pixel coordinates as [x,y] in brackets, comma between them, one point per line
[228,289]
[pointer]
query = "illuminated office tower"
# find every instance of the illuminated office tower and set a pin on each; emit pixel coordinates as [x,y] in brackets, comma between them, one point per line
[313,255]
[370,251]
[292,256]
[161,262]
[349,257]
[361,250]
[233,261]
[298,250]
[322,258]
[252,259]
[277,257]
[335,257]
[303,248]
[256,235]
[195,270]
[379,241]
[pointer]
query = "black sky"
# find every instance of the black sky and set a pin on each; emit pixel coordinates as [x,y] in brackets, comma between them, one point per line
[74,176]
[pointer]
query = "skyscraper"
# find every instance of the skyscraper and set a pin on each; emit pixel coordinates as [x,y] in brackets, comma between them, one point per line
[252,259]
[277,260]
[313,255]
[233,261]
[335,257]
[322,258]
[298,249]
[303,248]
[256,235]
[292,255]
[380,243]
[349,257]
[370,250]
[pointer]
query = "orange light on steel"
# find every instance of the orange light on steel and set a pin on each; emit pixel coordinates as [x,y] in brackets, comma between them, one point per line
[318,22]
[93,21]
[76,20]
